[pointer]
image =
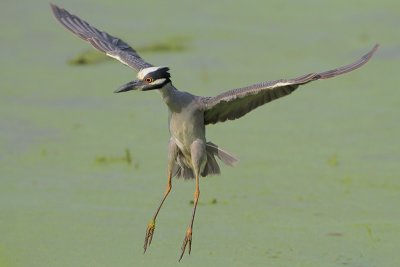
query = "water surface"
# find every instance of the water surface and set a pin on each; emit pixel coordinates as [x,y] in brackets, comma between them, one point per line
[318,181]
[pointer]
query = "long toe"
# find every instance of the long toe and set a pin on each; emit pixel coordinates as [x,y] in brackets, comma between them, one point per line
[187,241]
[149,235]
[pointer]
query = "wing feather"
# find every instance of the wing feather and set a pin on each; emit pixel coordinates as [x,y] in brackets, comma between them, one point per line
[235,103]
[112,46]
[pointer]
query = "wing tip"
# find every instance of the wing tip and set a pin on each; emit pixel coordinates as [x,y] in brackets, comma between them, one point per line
[372,52]
[56,9]
[53,6]
[59,12]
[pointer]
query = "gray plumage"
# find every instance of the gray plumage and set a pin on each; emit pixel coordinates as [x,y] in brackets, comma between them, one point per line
[235,103]
[183,168]
[190,155]
[102,41]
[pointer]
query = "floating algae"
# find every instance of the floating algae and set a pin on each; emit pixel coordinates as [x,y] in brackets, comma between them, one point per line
[126,158]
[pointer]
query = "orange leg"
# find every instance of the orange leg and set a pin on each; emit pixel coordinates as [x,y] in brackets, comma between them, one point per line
[172,153]
[199,160]
[152,224]
[188,237]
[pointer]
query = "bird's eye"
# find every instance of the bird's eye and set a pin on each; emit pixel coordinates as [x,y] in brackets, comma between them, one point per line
[149,80]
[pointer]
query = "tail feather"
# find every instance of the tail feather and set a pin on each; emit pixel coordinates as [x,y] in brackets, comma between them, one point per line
[211,167]
[223,155]
[183,169]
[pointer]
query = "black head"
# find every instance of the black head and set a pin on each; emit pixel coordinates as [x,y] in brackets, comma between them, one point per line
[148,79]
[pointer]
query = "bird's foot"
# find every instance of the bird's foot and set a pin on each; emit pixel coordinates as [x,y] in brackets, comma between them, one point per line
[187,242]
[149,234]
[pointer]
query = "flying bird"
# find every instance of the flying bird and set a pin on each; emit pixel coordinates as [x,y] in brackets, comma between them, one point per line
[190,155]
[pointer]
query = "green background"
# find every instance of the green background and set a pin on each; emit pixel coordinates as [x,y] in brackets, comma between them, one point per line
[318,181]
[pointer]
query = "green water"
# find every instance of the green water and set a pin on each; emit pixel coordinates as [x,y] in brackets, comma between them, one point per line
[82,169]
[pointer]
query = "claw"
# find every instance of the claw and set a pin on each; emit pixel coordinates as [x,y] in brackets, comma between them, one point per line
[149,234]
[187,241]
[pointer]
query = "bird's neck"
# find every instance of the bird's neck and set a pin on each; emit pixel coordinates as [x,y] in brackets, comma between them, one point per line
[169,95]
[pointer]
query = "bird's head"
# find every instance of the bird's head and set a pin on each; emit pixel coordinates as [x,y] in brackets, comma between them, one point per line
[148,79]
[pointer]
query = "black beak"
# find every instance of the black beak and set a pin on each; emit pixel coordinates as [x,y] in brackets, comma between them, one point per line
[133,85]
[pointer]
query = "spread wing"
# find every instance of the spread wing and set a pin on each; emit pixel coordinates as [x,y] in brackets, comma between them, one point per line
[236,103]
[112,46]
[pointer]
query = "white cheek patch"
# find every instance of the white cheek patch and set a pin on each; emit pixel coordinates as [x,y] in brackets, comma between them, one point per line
[159,81]
[141,74]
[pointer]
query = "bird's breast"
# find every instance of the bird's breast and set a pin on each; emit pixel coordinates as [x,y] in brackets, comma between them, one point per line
[185,127]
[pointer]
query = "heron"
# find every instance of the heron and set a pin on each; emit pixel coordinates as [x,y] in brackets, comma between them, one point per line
[190,154]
